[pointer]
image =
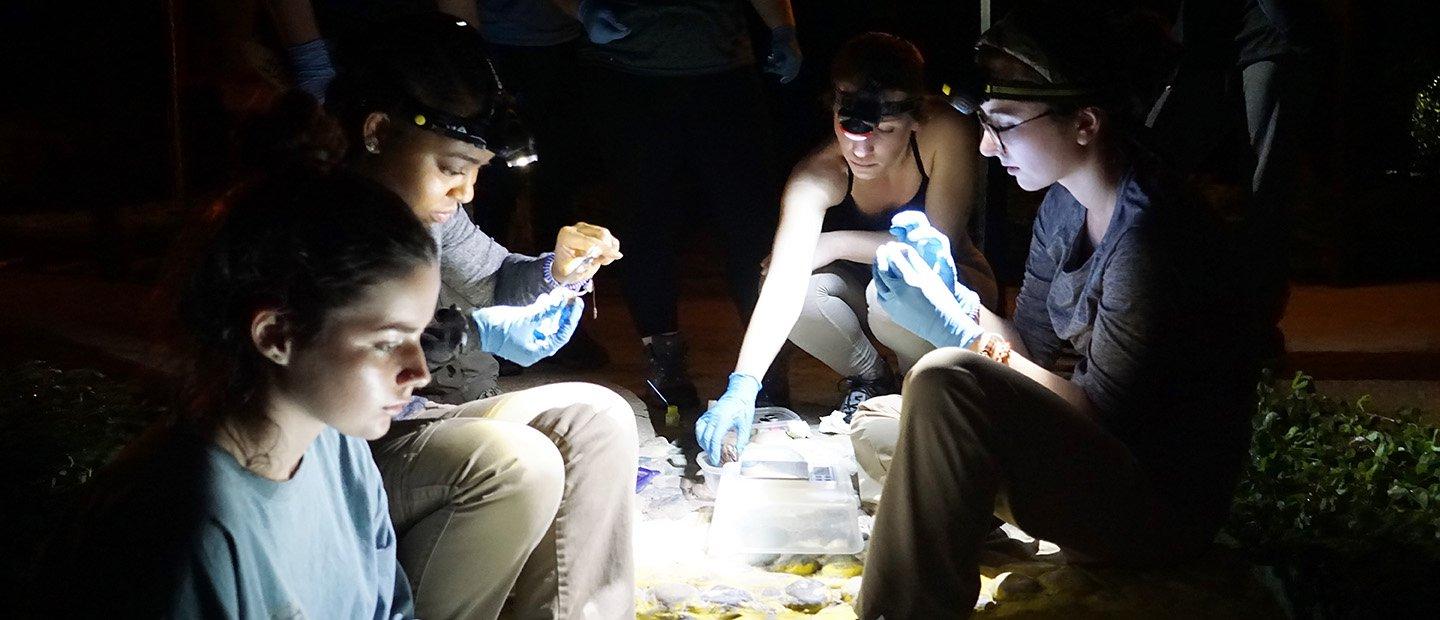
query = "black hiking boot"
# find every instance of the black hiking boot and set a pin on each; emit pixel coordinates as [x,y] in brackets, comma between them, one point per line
[858,390]
[669,381]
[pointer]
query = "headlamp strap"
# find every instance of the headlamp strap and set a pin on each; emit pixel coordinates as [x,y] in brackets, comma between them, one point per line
[864,104]
[472,130]
[1030,91]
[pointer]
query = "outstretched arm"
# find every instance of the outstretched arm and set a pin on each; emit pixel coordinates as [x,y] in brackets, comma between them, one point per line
[813,187]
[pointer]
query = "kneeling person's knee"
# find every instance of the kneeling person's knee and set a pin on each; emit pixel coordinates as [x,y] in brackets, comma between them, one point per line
[524,470]
[945,368]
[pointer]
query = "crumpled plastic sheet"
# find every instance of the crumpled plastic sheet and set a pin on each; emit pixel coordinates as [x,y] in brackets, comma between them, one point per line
[834,424]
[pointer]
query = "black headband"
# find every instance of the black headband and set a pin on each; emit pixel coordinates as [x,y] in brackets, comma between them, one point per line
[967,98]
[476,130]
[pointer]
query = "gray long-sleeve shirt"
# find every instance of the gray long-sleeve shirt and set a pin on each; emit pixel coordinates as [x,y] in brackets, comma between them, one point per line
[1162,354]
[477,272]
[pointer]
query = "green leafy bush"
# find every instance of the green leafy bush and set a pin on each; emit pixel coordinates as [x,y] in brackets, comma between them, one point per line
[57,428]
[1333,472]
[1344,502]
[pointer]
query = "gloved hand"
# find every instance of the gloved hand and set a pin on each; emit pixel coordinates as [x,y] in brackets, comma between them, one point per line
[784,57]
[734,410]
[601,24]
[581,250]
[527,334]
[913,228]
[916,299]
[311,67]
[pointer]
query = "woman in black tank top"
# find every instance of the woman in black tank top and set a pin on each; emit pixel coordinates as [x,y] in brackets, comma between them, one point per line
[894,149]
[847,216]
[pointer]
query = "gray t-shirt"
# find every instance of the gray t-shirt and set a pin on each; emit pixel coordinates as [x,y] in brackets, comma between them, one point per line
[676,38]
[1162,356]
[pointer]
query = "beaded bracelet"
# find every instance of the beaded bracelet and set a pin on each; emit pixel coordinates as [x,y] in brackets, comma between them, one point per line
[549,264]
[995,347]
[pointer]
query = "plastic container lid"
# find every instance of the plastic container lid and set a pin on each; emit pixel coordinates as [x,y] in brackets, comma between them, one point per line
[774,414]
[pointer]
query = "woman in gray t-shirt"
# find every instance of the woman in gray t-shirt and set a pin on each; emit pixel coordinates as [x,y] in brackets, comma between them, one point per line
[1132,458]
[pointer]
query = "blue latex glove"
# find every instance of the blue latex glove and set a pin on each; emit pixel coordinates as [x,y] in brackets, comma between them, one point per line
[528,334]
[735,409]
[912,227]
[311,67]
[916,299]
[784,57]
[601,24]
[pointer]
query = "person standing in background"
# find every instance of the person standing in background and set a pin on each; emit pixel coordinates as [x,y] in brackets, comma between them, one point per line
[674,96]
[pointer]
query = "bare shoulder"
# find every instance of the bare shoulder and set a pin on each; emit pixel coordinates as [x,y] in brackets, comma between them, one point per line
[945,129]
[822,174]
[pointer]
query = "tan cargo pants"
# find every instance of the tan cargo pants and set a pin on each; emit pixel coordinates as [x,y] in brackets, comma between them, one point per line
[973,439]
[517,506]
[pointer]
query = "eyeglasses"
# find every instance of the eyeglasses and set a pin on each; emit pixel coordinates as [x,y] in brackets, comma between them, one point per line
[994,130]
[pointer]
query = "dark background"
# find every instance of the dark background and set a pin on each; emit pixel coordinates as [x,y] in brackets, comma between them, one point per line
[97,169]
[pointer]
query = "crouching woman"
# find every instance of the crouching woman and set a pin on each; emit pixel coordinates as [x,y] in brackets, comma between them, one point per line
[1132,459]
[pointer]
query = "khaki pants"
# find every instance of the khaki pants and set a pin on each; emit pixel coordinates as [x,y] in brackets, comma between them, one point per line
[874,431]
[976,439]
[839,307]
[519,505]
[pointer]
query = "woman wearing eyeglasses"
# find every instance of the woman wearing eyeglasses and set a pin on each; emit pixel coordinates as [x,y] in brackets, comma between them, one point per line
[894,150]
[1132,459]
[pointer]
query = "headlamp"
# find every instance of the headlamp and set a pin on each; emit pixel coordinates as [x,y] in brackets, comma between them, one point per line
[967,97]
[497,129]
[1058,81]
[860,111]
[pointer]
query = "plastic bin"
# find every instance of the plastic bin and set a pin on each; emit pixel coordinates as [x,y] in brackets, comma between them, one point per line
[754,515]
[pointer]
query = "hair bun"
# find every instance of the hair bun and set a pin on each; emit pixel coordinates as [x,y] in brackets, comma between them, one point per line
[295,133]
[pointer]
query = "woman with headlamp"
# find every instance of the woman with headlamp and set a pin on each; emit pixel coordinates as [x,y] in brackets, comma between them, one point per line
[894,150]
[518,501]
[1133,458]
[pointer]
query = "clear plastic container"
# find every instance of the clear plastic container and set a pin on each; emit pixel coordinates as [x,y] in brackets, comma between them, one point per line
[776,415]
[712,473]
[766,418]
[758,461]
[755,515]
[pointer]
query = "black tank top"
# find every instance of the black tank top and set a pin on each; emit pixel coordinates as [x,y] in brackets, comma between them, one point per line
[847,216]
